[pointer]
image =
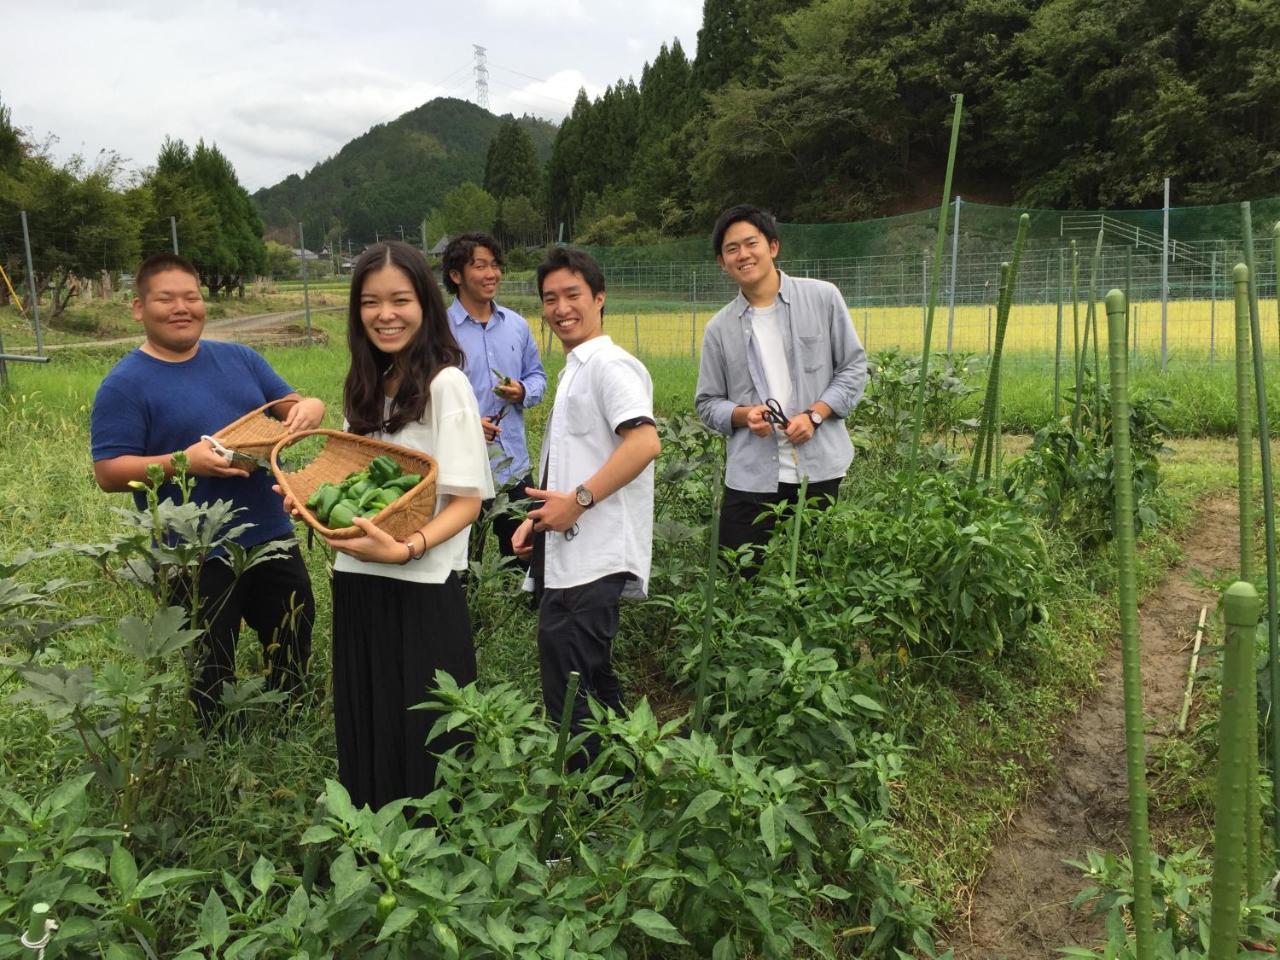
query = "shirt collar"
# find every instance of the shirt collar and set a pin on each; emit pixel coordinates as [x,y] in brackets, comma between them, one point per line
[786,287]
[459,315]
[585,351]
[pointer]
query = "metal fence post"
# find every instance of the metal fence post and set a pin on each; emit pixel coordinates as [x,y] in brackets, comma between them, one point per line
[951,292]
[693,326]
[635,325]
[306,296]
[35,294]
[1213,299]
[1164,284]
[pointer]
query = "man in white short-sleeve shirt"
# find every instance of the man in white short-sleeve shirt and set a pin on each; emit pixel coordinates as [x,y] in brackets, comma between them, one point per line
[595,525]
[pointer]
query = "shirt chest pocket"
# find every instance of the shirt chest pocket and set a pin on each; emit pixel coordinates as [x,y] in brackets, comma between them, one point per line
[814,354]
[581,414]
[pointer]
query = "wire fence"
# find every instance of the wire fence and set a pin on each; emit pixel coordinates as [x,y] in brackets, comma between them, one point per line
[660,307]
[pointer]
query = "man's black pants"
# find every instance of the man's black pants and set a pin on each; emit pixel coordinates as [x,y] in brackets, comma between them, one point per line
[576,627]
[739,511]
[275,599]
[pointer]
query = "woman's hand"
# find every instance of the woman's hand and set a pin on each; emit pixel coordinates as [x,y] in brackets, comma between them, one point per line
[290,505]
[376,546]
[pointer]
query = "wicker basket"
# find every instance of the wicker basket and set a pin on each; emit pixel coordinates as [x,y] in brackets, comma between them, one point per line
[344,454]
[254,434]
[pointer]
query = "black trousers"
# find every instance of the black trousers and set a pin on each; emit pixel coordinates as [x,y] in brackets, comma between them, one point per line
[576,627]
[389,639]
[739,512]
[504,526]
[275,599]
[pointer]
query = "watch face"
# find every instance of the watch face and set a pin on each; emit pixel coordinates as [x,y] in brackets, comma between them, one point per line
[585,498]
[815,418]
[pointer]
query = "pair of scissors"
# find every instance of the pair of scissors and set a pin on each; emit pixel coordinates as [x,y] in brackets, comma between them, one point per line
[773,413]
[229,455]
[497,417]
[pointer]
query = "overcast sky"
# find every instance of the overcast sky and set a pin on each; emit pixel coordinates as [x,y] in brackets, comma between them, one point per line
[281,85]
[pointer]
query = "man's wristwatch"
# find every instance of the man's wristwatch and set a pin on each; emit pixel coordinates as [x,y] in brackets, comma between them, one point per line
[814,417]
[586,499]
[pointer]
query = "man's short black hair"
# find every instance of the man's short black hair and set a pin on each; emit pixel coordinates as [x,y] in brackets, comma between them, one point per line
[459,253]
[160,263]
[762,220]
[575,261]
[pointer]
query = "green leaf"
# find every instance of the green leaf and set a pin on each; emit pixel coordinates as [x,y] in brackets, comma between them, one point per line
[319,834]
[500,933]
[724,950]
[655,925]
[771,828]
[213,925]
[338,802]
[157,881]
[399,919]
[866,703]
[700,804]
[86,858]
[263,875]
[505,867]
[445,937]
[124,871]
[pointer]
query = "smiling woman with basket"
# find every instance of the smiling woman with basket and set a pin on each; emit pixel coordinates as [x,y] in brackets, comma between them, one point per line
[399,610]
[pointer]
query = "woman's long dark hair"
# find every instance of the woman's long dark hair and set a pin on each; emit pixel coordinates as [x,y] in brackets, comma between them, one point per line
[433,349]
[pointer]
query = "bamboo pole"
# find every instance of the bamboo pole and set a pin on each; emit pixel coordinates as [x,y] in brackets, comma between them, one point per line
[1131,652]
[1185,712]
[1242,607]
[1075,323]
[984,423]
[1057,348]
[708,615]
[1269,517]
[918,426]
[546,832]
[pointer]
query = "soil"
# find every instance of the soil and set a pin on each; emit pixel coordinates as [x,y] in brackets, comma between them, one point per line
[1021,908]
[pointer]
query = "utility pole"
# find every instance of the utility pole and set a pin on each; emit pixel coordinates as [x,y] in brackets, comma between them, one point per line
[173,232]
[306,297]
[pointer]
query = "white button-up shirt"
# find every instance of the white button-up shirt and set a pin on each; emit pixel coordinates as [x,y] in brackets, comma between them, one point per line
[600,387]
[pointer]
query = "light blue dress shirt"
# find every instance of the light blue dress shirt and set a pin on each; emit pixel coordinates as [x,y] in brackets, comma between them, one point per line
[505,344]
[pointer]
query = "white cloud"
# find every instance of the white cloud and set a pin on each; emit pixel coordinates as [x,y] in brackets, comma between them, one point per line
[282,84]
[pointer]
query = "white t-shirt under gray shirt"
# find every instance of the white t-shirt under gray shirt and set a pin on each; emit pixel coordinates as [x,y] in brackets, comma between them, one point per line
[773,354]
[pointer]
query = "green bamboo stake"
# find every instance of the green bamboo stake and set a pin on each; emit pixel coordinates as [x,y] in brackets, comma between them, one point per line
[1135,749]
[708,616]
[1242,607]
[918,426]
[1093,317]
[1002,326]
[1269,517]
[545,831]
[982,443]
[1075,322]
[1057,349]
[1275,263]
[1244,484]
[796,526]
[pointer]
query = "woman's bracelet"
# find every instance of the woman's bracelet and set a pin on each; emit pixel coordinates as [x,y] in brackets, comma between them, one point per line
[408,553]
[424,540]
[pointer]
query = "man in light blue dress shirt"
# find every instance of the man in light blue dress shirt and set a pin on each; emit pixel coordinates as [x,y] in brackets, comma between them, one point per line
[503,366]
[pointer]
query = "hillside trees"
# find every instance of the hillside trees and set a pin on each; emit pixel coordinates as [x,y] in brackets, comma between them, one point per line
[513,177]
[218,228]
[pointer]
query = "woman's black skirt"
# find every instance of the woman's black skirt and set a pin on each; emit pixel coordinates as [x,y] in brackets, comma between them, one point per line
[389,639]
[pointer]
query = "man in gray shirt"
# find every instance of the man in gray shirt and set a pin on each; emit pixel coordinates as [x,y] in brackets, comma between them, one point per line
[778,362]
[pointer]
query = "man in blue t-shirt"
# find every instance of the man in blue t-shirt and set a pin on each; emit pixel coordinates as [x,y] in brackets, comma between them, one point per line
[161,399]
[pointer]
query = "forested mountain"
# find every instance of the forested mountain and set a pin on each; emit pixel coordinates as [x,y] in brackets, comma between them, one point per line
[393,175]
[834,110]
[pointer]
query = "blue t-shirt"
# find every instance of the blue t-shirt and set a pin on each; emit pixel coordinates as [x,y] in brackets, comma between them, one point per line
[146,407]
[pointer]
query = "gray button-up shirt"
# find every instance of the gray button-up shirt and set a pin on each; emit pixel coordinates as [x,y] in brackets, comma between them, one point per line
[826,361]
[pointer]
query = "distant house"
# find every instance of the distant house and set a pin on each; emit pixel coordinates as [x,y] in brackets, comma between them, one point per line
[438,249]
[305,255]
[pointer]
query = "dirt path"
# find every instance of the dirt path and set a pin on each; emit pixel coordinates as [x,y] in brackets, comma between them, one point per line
[1021,909]
[229,328]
